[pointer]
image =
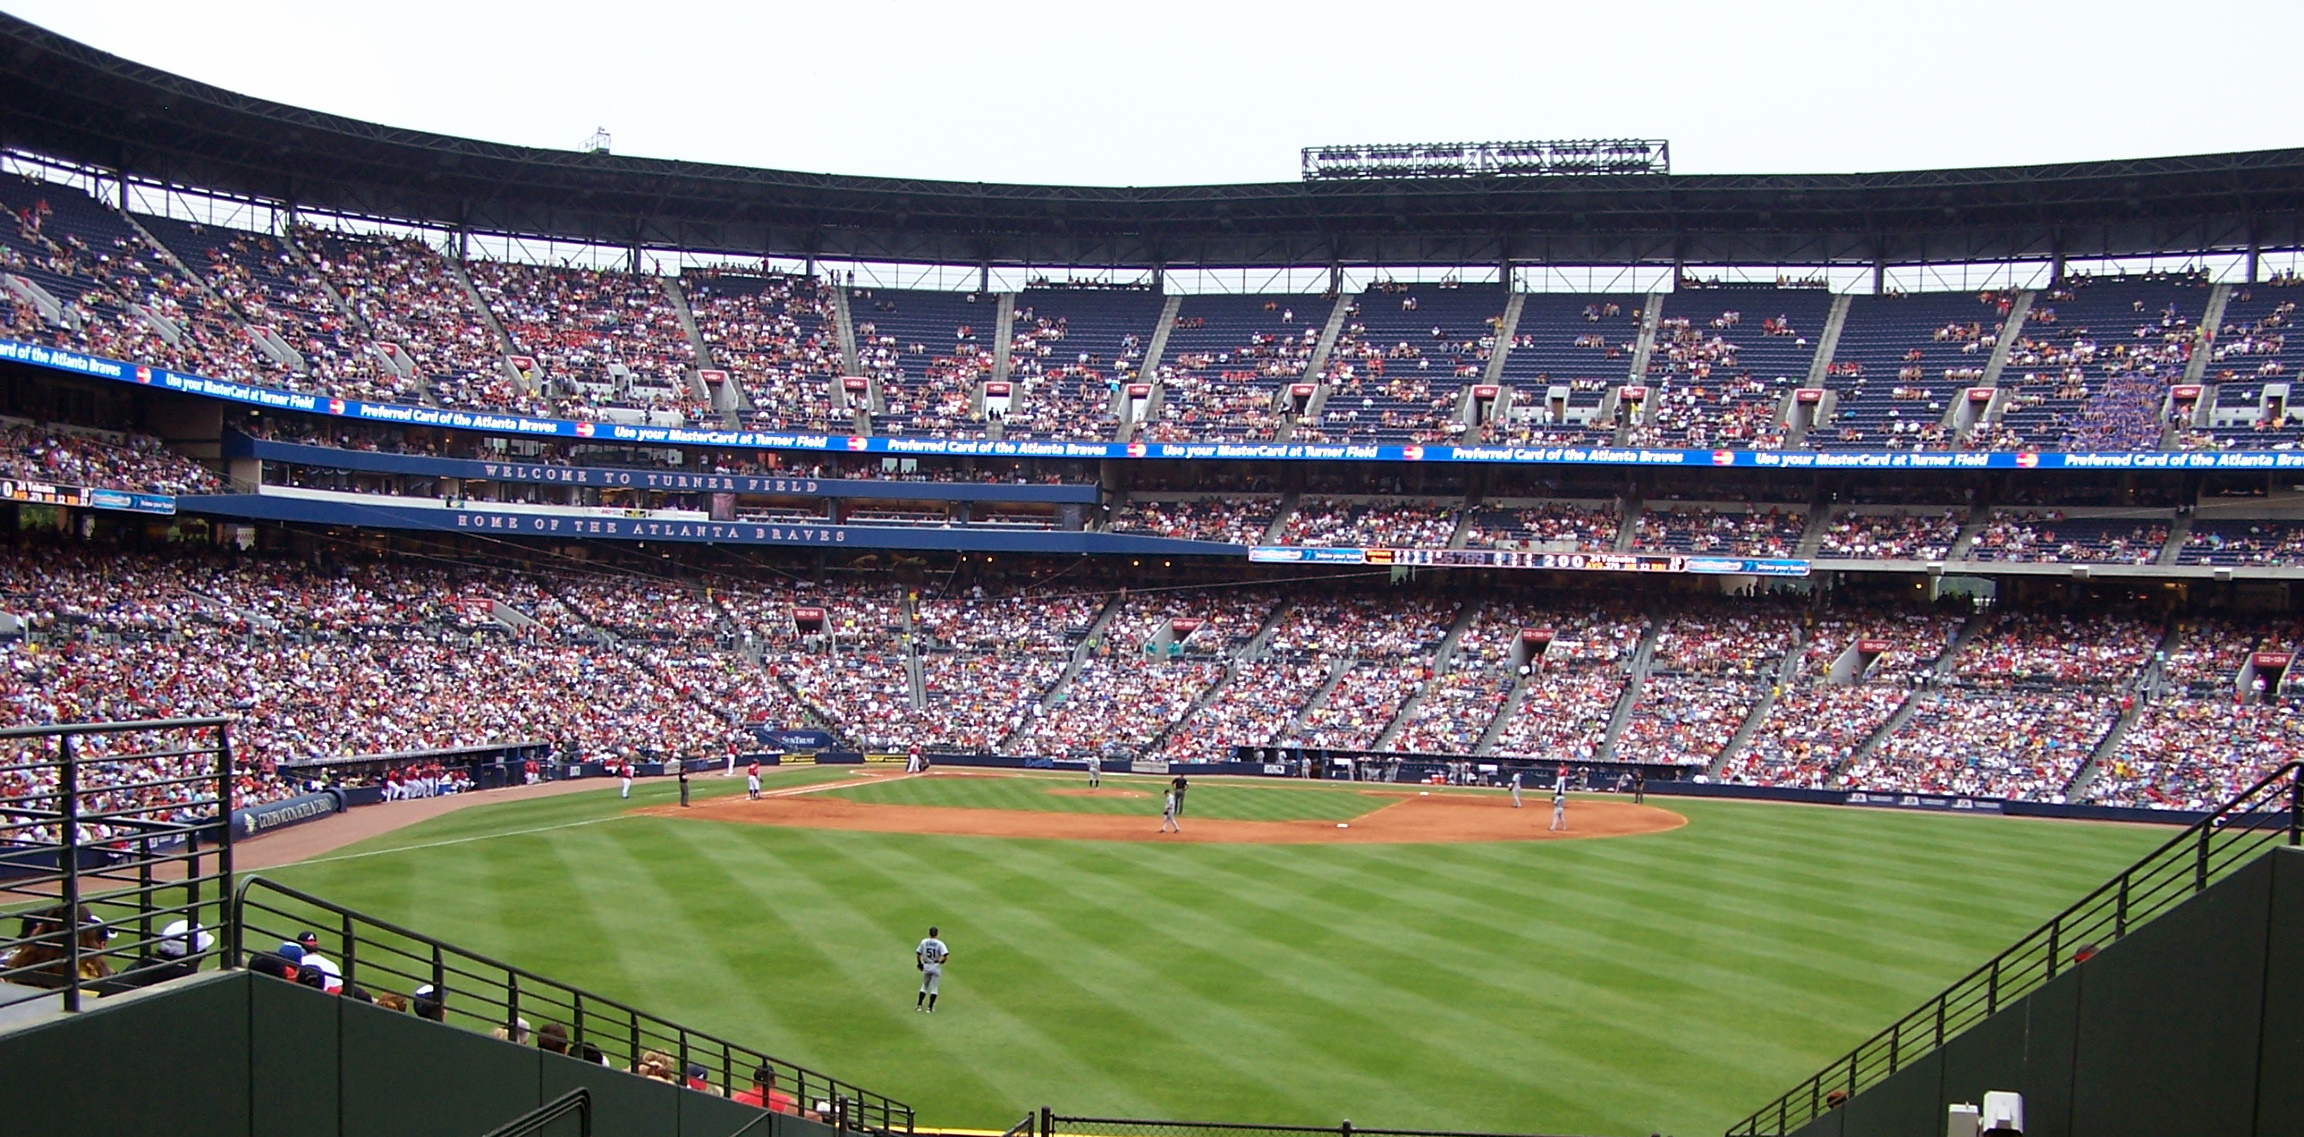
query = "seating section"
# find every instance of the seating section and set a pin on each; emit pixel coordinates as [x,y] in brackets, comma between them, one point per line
[1234,520]
[1903,363]
[1708,671]
[1720,530]
[268,285]
[1227,360]
[1401,361]
[2030,698]
[1841,695]
[2253,348]
[1718,379]
[1391,523]
[775,337]
[611,340]
[100,460]
[2048,535]
[2261,542]
[411,296]
[1069,350]
[930,351]
[1580,346]
[2093,364]
[1559,526]
[1898,534]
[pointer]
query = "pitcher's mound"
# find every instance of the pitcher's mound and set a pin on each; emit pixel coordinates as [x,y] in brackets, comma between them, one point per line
[1440,818]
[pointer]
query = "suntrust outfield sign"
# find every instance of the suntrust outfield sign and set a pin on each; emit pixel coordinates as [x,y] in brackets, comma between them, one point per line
[97,367]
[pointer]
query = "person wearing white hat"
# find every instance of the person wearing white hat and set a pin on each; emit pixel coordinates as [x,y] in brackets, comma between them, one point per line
[168,957]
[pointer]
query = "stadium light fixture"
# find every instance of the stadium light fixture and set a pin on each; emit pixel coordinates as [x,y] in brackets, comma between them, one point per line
[1566,157]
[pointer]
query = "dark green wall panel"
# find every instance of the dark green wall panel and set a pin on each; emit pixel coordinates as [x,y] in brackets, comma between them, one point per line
[406,1076]
[187,1048]
[622,1105]
[1902,1105]
[2280,1070]
[2051,1023]
[292,1034]
[1989,1056]
[708,1115]
[2168,1025]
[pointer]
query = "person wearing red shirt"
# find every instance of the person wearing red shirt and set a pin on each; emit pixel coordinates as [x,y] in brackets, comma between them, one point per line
[765,1095]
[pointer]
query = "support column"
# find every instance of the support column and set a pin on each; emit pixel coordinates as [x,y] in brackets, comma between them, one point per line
[1879,278]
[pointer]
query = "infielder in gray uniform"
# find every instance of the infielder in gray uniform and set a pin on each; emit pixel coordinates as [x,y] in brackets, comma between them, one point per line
[1515,789]
[1560,804]
[929,957]
[1169,803]
[1095,771]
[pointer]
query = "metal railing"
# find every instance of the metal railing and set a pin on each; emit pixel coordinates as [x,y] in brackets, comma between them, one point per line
[451,985]
[110,834]
[2266,815]
[545,1120]
[1051,1124]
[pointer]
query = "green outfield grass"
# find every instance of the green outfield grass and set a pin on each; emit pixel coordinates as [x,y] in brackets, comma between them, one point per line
[1667,983]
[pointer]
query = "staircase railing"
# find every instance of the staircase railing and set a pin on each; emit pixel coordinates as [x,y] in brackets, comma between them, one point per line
[539,1122]
[450,985]
[2267,814]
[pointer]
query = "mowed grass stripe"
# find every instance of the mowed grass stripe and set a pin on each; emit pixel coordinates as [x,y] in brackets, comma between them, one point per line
[876,968]
[1660,983]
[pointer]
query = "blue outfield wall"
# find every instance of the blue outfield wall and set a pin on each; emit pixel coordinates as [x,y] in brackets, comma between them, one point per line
[478,519]
[97,367]
[238,445]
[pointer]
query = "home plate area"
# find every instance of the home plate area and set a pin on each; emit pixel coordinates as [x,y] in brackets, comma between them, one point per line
[1216,811]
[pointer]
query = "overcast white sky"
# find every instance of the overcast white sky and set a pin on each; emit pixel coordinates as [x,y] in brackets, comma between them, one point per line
[1183,92]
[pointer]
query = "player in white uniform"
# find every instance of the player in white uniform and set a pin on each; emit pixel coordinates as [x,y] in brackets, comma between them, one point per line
[624,774]
[752,781]
[1560,802]
[1515,789]
[929,957]
[1095,771]
[1168,813]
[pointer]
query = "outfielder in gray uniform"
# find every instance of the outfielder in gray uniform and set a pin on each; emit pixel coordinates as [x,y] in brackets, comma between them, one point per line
[929,957]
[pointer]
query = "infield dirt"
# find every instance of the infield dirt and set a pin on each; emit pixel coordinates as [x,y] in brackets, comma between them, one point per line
[1412,820]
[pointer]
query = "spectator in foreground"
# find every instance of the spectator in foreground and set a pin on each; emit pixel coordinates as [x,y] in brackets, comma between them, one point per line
[765,1095]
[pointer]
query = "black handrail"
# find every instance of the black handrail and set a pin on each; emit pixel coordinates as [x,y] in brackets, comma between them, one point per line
[1053,1124]
[532,1123]
[390,957]
[122,861]
[2264,815]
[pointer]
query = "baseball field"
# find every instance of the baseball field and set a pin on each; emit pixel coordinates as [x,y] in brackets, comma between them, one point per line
[1666,979]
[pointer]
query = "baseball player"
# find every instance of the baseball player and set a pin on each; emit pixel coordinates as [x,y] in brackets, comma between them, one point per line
[1560,803]
[1170,802]
[929,957]
[1515,789]
[752,780]
[1095,770]
[624,774]
[1181,785]
[912,763]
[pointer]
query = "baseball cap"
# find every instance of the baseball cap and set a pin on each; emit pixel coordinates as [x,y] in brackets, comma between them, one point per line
[291,951]
[308,939]
[175,941]
[424,992]
[695,1069]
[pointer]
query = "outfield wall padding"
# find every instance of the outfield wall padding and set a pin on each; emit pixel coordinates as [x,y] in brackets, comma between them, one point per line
[231,1054]
[2193,1023]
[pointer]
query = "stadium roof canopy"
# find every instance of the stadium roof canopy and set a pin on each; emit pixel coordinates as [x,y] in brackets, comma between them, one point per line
[67,101]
